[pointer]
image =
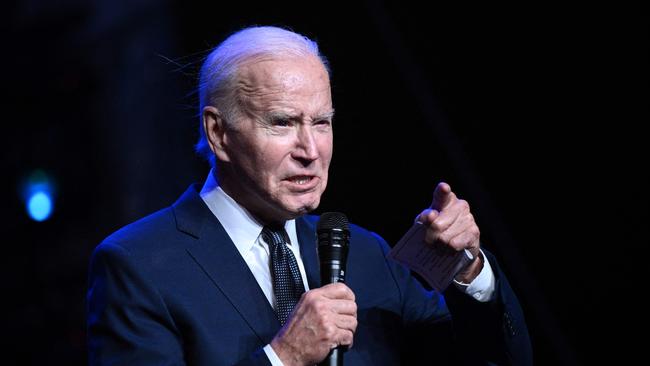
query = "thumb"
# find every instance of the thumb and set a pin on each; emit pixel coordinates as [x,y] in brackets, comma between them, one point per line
[441,196]
[427,216]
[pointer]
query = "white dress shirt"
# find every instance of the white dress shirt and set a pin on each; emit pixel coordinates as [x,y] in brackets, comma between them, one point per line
[245,232]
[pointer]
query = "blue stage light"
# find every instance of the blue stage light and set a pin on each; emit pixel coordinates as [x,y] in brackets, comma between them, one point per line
[38,195]
[39,206]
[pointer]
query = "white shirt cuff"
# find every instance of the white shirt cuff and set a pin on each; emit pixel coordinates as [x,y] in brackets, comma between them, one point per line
[482,288]
[270,353]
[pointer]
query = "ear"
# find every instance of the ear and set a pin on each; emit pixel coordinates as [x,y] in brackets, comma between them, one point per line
[215,132]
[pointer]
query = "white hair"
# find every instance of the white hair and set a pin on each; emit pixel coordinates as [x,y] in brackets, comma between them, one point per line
[219,73]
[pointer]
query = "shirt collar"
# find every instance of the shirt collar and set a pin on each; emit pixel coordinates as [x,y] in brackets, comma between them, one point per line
[241,226]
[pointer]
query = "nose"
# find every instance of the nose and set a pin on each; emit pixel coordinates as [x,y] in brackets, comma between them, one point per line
[306,149]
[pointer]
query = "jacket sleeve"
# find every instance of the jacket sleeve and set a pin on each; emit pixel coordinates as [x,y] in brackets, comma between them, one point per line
[128,322]
[418,306]
[496,330]
[491,333]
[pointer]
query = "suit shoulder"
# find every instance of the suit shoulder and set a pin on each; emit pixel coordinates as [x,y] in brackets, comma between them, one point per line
[359,235]
[361,231]
[153,229]
[368,239]
[312,220]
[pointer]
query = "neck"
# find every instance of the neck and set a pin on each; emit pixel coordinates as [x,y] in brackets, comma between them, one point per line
[248,201]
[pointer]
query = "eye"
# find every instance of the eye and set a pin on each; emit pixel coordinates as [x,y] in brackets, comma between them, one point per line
[281,122]
[323,123]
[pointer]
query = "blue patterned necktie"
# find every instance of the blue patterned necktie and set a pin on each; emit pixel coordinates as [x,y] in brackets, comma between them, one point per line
[287,281]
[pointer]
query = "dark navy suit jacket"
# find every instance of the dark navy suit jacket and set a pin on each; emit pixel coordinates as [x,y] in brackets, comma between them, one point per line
[172,289]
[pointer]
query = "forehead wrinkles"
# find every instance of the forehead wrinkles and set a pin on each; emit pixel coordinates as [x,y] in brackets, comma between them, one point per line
[283,84]
[255,91]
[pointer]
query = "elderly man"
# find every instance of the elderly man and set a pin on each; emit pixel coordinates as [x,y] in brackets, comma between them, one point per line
[229,274]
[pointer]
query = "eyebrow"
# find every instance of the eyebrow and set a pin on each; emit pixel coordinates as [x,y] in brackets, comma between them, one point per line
[297,117]
[325,116]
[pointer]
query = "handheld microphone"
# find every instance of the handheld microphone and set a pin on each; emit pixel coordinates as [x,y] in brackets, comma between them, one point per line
[333,241]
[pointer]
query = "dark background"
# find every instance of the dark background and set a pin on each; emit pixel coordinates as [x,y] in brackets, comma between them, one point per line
[532,112]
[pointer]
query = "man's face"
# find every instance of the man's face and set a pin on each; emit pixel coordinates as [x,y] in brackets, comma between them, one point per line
[280,149]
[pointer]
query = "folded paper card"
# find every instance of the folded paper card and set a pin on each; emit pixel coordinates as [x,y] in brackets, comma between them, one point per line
[435,263]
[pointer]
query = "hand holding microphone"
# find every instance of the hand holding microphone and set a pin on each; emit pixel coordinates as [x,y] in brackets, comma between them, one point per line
[323,322]
[333,242]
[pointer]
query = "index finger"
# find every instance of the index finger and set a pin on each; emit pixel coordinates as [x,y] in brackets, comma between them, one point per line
[442,196]
[338,291]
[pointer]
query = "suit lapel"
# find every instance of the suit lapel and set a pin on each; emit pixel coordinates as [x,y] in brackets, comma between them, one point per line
[218,257]
[306,232]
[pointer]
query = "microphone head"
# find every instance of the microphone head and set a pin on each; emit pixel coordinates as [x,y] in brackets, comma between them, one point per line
[333,235]
[333,220]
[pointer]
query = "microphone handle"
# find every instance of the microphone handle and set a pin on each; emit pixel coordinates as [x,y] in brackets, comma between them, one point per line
[335,358]
[333,254]
[332,274]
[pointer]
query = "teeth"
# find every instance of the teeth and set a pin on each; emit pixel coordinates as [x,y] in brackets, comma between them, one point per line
[300,180]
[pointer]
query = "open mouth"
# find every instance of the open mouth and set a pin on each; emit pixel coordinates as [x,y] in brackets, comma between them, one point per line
[301,180]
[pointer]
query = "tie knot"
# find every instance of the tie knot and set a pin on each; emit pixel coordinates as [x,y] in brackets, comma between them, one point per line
[275,235]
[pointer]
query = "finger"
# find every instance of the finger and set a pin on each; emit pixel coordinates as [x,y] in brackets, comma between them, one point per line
[337,291]
[463,223]
[444,220]
[462,241]
[442,196]
[472,241]
[343,307]
[345,338]
[347,322]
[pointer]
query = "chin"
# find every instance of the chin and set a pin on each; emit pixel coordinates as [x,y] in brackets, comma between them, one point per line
[303,208]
